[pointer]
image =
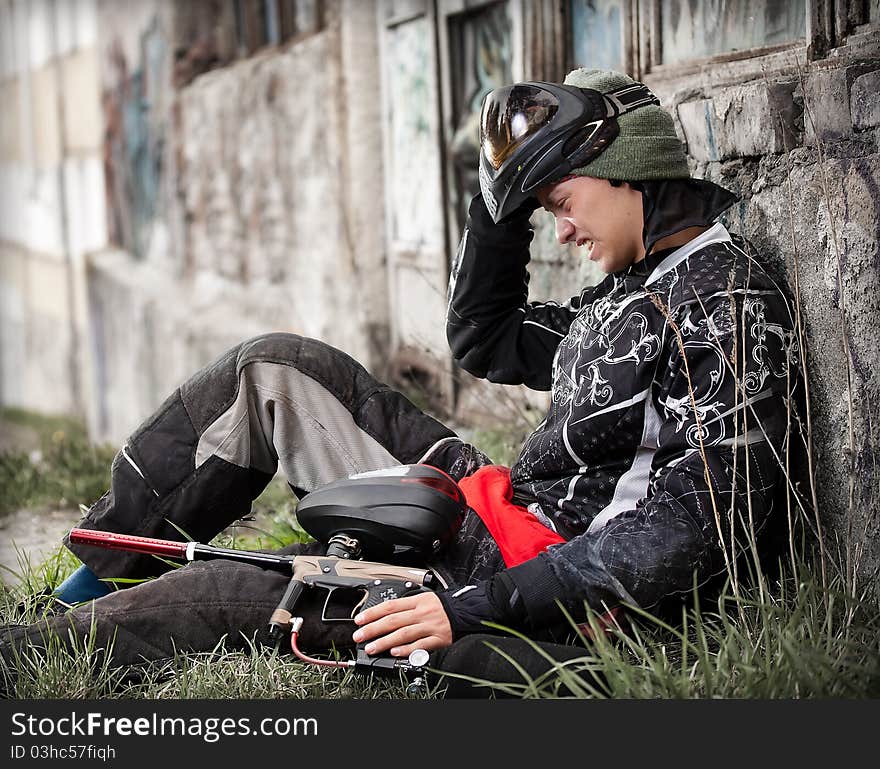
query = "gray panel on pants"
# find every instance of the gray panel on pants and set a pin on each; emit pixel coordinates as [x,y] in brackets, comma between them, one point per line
[282,415]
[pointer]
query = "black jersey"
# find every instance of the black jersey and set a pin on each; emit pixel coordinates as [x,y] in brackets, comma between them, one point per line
[671,385]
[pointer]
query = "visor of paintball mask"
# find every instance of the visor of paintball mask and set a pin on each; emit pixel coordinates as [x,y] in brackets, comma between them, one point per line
[535,133]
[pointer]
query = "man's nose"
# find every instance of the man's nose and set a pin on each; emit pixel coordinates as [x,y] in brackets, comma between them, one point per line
[565,229]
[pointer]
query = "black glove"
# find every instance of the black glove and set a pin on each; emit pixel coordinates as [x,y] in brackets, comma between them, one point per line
[495,600]
[479,213]
[529,206]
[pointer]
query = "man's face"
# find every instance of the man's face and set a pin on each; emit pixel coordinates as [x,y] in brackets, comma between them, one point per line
[607,221]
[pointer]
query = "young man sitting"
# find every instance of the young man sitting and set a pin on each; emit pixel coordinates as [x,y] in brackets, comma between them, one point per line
[667,426]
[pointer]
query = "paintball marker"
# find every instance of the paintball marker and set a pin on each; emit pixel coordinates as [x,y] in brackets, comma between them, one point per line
[408,511]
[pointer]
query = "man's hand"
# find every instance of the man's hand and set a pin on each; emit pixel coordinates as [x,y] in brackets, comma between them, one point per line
[403,625]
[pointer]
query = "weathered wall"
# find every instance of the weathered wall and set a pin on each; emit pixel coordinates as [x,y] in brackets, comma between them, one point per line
[257,208]
[270,150]
[132,292]
[51,215]
[801,149]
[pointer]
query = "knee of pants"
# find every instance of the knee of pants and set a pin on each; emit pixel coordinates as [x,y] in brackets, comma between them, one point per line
[380,413]
[303,352]
[339,373]
[276,344]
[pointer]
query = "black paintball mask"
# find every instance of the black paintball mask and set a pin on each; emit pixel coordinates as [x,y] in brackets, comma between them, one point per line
[535,133]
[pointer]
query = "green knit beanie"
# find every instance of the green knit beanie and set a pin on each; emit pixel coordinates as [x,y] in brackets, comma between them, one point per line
[647,146]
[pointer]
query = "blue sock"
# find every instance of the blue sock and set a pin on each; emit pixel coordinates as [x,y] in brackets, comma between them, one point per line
[82,585]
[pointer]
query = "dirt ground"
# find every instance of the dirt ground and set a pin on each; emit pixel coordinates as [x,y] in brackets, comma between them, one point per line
[28,534]
[31,535]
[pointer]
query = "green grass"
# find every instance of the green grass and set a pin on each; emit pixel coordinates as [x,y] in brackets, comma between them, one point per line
[501,445]
[55,672]
[86,672]
[64,469]
[798,641]
[789,638]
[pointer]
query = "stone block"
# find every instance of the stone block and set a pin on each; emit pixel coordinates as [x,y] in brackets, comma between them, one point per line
[8,52]
[13,280]
[47,293]
[86,203]
[46,374]
[13,177]
[35,22]
[76,25]
[754,119]
[697,120]
[826,107]
[63,15]
[865,100]
[40,226]
[85,19]
[12,359]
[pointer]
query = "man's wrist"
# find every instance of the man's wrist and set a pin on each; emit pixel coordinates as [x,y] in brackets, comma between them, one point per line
[497,600]
[470,607]
[534,592]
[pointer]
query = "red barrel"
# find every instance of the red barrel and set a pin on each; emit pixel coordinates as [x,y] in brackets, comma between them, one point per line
[108,539]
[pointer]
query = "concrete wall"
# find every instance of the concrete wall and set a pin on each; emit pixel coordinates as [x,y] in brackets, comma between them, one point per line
[51,200]
[146,226]
[279,183]
[800,145]
[260,209]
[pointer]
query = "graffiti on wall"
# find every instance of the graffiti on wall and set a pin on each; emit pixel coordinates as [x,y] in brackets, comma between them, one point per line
[134,139]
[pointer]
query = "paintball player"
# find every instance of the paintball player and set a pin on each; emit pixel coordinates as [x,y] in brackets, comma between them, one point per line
[670,384]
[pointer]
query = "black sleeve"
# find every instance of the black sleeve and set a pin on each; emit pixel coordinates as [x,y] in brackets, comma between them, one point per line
[716,475]
[493,331]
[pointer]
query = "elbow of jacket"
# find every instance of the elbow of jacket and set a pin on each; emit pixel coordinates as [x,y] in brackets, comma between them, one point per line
[466,362]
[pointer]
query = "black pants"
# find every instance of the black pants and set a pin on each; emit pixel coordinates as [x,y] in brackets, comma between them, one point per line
[210,449]
[203,457]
